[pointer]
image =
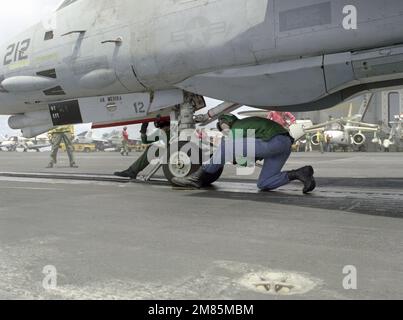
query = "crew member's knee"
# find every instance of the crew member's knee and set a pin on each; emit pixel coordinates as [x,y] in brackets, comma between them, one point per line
[212,168]
[272,183]
[266,185]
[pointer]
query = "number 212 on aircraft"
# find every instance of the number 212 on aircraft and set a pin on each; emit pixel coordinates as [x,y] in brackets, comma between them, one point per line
[16,52]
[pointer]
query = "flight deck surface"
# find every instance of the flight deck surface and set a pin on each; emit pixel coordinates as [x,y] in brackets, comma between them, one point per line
[111,238]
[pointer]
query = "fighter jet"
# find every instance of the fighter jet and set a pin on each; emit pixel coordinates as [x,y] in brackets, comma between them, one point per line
[87,137]
[12,143]
[123,61]
[18,143]
[343,132]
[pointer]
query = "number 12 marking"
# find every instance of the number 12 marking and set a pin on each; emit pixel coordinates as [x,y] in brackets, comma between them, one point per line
[139,107]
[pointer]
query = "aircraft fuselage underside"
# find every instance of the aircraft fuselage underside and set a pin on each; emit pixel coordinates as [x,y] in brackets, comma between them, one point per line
[127,60]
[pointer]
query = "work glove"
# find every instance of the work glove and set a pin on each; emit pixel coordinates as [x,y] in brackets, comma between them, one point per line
[241,161]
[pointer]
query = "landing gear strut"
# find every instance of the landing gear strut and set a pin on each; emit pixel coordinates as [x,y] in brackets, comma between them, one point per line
[184,155]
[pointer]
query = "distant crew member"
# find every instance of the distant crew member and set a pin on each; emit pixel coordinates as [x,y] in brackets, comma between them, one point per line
[284,119]
[64,134]
[272,143]
[308,144]
[329,145]
[320,138]
[143,162]
[298,145]
[125,142]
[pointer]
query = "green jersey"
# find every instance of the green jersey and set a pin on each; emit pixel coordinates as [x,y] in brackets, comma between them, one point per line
[264,129]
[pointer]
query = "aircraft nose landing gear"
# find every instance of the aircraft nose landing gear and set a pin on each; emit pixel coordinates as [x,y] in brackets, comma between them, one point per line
[187,161]
[185,154]
[181,162]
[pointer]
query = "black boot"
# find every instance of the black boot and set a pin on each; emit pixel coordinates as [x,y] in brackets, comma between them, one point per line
[126,174]
[73,165]
[305,175]
[195,180]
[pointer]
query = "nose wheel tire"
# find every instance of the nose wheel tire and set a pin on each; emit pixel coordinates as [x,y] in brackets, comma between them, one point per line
[181,164]
[211,178]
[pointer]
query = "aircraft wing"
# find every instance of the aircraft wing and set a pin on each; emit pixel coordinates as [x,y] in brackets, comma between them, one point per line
[314,129]
[363,125]
[362,129]
[38,146]
[320,126]
[255,113]
[100,140]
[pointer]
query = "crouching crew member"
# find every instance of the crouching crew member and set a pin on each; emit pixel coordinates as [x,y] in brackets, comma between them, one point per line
[272,143]
[143,161]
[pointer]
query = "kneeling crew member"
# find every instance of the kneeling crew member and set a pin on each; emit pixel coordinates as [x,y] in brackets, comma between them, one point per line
[272,143]
[143,161]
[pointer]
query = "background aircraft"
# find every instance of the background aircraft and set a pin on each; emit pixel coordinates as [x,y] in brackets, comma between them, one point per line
[86,137]
[18,143]
[343,132]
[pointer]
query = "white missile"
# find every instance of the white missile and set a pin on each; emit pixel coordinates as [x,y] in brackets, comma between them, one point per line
[27,83]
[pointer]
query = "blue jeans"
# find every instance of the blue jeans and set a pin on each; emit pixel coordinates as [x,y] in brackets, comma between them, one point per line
[275,153]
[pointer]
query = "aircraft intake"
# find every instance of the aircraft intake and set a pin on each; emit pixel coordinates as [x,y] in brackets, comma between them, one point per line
[387,143]
[30,119]
[314,140]
[33,132]
[359,139]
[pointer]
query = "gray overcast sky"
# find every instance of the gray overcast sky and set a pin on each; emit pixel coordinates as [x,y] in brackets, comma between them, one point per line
[15,16]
